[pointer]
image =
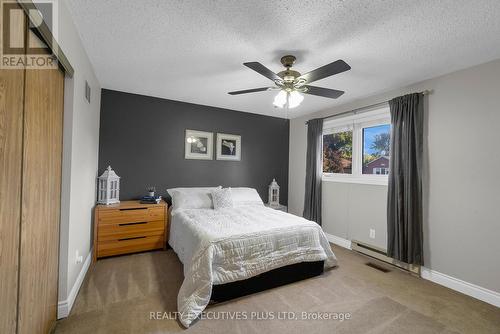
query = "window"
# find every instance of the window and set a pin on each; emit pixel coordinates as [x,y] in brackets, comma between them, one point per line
[356,148]
[337,152]
[376,148]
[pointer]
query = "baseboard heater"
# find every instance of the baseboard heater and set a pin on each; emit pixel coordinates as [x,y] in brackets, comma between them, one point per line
[380,254]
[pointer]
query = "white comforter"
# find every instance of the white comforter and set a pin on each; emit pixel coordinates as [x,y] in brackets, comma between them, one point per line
[222,246]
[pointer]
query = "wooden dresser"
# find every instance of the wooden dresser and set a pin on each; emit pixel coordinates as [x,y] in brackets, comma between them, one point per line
[129,227]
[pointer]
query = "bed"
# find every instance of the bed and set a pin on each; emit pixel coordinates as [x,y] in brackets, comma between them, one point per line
[241,244]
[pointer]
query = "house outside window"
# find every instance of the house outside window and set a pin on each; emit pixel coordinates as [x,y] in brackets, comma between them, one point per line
[356,148]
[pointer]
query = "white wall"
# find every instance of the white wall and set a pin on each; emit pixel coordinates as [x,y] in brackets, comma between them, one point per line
[350,210]
[461,186]
[80,154]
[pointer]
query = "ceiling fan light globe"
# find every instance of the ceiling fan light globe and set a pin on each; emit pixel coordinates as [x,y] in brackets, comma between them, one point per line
[280,99]
[295,99]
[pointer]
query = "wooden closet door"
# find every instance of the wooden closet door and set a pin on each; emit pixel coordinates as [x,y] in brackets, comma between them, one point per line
[11,135]
[41,192]
[11,116]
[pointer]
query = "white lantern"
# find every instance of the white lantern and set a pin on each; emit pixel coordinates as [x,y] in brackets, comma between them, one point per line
[274,194]
[108,187]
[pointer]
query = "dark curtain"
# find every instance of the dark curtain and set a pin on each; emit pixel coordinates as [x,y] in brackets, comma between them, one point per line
[314,170]
[404,202]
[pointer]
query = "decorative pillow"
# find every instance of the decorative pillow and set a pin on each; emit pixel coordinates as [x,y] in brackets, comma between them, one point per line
[246,196]
[222,198]
[191,198]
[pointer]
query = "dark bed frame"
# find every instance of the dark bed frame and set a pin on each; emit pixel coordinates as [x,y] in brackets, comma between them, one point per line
[268,280]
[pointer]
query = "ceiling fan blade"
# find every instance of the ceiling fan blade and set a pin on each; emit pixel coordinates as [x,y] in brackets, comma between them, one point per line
[336,67]
[249,91]
[261,69]
[325,92]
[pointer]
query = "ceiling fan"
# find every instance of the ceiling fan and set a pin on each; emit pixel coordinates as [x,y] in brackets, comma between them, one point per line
[291,83]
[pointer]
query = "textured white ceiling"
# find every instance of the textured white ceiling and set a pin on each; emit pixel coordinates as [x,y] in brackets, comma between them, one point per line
[193,50]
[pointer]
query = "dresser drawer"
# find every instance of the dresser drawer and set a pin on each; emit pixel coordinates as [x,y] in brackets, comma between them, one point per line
[129,245]
[131,215]
[130,229]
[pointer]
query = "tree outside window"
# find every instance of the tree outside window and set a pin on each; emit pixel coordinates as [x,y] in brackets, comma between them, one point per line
[337,152]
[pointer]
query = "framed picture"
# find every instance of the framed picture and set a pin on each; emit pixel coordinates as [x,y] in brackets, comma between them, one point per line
[198,145]
[228,147]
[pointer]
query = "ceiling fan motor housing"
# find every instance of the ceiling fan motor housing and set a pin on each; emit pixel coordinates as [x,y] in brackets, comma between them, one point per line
[288,75]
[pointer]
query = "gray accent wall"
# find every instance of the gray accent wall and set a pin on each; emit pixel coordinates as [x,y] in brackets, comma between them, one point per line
[461,182]
[142,138]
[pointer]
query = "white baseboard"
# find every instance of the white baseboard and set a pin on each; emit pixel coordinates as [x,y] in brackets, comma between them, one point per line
[338,241]
[469,289]
[475,291]
[64,307]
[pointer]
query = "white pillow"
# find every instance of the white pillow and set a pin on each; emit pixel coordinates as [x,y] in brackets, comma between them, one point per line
[245,196]
[222,198]
[192,198]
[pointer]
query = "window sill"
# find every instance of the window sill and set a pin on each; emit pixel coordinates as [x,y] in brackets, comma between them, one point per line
[372,180]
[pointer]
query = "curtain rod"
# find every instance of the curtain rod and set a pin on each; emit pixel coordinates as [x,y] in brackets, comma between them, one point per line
[367,108]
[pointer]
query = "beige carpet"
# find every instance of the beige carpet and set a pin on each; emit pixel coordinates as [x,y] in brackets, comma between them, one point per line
[119,294]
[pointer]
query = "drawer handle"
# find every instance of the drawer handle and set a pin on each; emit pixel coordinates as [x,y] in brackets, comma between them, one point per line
[131,238]
[128,209]
[127,224]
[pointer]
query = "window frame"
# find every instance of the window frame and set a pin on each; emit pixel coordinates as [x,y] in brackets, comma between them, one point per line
[358,122]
